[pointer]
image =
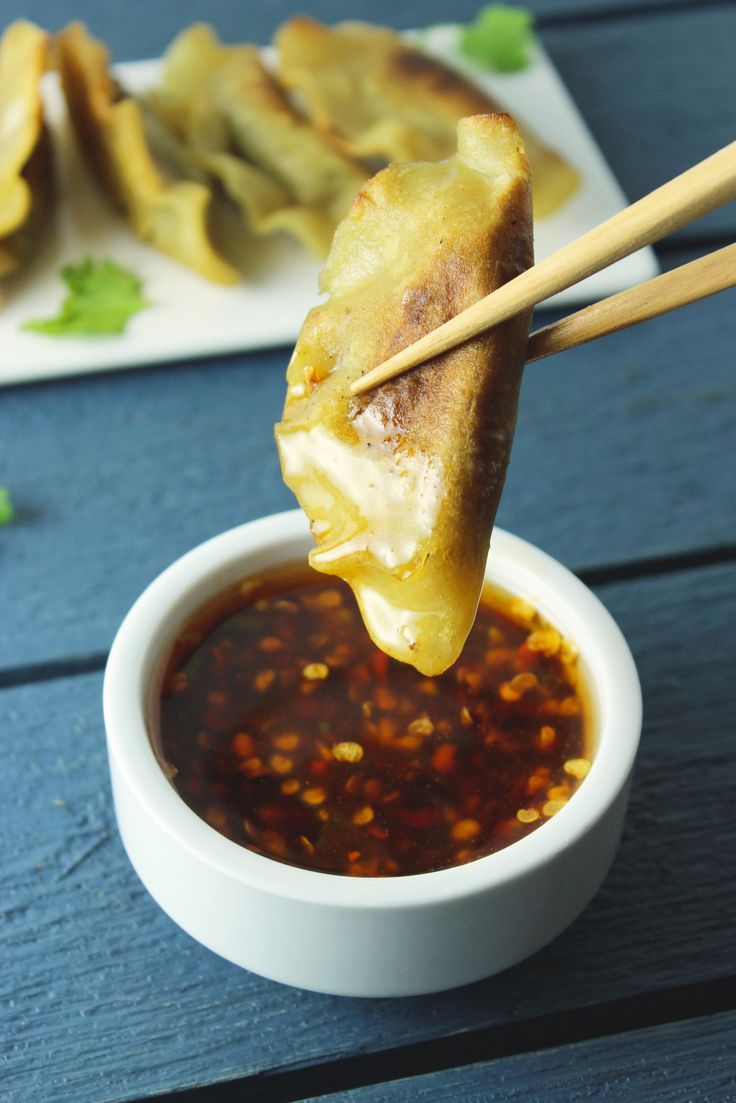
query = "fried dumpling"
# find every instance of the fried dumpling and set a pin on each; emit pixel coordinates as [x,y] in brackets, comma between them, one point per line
[283,172]
[384,98]
[401,485]
[321,181]
[171,214]
[25,163]
[185,109]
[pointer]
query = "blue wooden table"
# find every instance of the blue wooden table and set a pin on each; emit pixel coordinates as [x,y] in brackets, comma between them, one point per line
[622,468]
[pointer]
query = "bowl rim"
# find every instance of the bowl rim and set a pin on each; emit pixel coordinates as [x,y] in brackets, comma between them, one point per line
[518,567]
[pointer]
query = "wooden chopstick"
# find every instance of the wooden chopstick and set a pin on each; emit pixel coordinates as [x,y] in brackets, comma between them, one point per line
[694,193]
[696,280]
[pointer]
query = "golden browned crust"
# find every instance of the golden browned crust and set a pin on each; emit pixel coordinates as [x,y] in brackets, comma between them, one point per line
[431,78]
[282,171]
[383,98]
[402,484]
[172,215]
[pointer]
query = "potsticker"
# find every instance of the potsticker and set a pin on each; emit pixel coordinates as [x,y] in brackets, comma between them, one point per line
[25,161]
[171,214]
[383,98]
[284,173]
[401,485]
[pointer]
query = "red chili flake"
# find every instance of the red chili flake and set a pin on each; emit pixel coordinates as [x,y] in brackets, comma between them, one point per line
[317,767]
[418,817]
[270,814]
[353,855]
[528,659]
[443,758]
[378,832]
[353,784]
[379,662]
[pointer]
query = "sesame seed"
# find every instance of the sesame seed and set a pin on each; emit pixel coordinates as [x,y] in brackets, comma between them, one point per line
[216,818]
[347,752]
[314,795]
[544,640]
[577,767]
[547,735]
[524,681]
[315,672]
[328,599]
[280,764]
[522,609]
[287,742]
[569,706]
[421,726]
[552,807]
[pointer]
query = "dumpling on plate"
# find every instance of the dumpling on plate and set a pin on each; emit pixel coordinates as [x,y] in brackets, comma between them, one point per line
[283,172]
[401,485]
[25,162]
[182,121]
[169,213]
[383,98]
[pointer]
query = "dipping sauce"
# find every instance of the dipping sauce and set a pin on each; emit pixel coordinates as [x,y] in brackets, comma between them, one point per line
[288,731]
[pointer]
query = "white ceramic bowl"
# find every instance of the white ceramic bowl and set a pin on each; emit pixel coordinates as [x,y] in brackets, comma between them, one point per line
[365,936]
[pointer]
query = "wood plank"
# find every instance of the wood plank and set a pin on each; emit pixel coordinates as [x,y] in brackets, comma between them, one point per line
[132,37]
[104,998]
[664,1064]
[617,456]
[657,92]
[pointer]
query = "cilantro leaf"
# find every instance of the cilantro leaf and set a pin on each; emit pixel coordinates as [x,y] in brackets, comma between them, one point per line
[7,513]
[102,298]
[499,38]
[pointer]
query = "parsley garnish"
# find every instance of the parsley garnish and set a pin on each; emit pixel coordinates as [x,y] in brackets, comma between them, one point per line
[102,298]
[499,38]
[7,513]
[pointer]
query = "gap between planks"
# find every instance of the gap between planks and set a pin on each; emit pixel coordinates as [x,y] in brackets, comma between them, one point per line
[617,1017]
[606,575]
[695,243]
[642,10]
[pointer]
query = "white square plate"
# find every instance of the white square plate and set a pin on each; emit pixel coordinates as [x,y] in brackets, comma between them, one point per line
[191,317]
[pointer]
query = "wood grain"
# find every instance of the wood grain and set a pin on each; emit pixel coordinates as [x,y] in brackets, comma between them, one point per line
[103,998]
[666,1064]
[113,477]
